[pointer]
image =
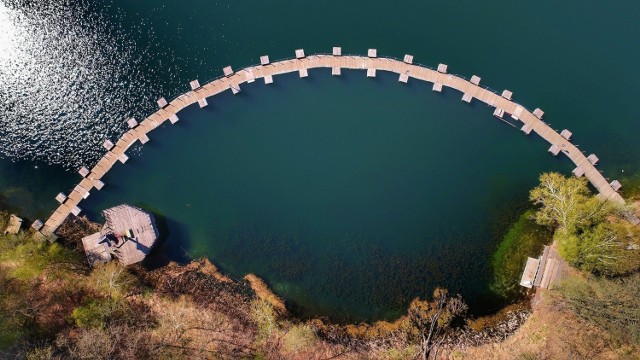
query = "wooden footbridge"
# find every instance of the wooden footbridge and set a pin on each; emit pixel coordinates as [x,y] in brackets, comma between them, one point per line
[406,70]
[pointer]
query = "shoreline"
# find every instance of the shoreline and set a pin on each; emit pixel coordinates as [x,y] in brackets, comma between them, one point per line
[501,319]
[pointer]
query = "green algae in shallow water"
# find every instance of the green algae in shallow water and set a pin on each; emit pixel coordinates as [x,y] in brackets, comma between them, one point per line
[524,239]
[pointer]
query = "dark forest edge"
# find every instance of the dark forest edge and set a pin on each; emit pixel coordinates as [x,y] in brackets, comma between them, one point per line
[53,306]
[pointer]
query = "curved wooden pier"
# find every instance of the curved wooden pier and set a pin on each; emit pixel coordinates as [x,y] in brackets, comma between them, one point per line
[406,70]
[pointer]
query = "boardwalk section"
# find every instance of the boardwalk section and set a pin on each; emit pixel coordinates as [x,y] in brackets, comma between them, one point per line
[545,272]
[267,70]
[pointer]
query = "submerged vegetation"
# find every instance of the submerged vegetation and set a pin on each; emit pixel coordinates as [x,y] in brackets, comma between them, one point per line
[525,238]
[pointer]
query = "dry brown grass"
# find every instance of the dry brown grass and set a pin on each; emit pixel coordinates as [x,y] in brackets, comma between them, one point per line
[263,292]
[552,332]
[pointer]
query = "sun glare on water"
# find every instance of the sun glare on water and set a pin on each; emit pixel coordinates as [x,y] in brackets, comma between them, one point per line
[69,76]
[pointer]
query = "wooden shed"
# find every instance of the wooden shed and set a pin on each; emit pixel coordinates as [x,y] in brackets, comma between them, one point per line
[128,235]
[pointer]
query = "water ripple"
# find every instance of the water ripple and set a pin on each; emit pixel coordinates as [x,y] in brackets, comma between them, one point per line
[70,75]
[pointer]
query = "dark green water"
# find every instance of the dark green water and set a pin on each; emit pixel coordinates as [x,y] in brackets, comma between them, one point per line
[349,195]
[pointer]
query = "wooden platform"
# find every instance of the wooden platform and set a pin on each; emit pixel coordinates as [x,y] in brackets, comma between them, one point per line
[545,272]
[336,61]
[530,271]
[128,234]
[14,226]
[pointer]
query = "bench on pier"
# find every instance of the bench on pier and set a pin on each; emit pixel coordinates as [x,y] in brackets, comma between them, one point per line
[566,134]
[235,88]
[162,103]
[538,113]
[61,197]
[98,184]
[615,184]
[132,123]
[83,171]
[37,225]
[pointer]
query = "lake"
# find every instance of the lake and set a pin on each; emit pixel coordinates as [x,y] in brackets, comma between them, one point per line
[348,195]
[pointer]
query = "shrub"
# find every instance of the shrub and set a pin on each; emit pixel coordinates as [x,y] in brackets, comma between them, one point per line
[298,338]
[265,317]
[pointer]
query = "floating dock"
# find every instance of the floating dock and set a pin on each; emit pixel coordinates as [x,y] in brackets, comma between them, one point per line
[405,69]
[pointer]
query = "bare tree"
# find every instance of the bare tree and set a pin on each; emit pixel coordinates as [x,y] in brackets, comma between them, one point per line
[432,319]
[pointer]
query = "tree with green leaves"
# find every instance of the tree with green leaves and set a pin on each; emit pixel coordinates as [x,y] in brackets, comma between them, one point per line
[567,203]
[606,249]
[589,232]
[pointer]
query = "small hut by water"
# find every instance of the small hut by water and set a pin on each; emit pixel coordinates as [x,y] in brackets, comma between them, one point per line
[128,235]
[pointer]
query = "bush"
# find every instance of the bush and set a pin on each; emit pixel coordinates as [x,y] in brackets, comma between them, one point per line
[96,313]
[299,338]
[28,258]
[111,280]
[609,249]
[265,317]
